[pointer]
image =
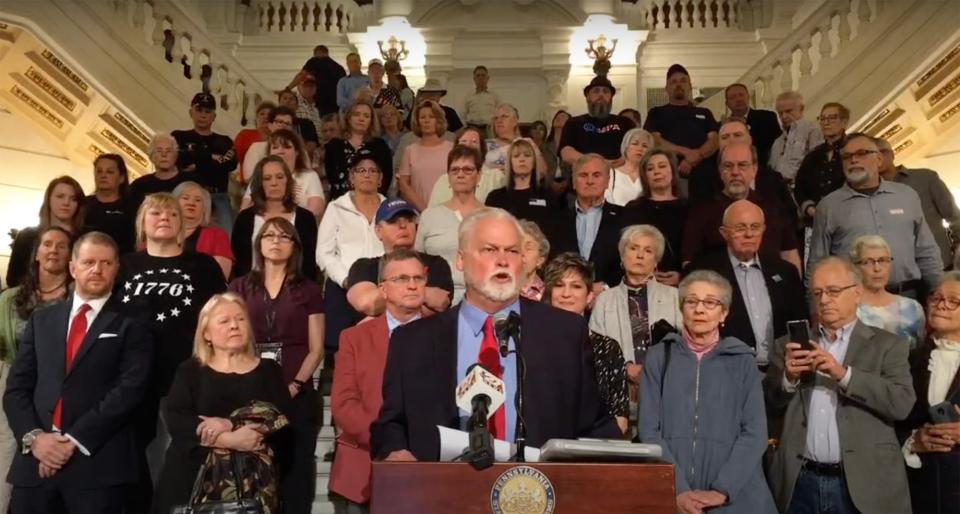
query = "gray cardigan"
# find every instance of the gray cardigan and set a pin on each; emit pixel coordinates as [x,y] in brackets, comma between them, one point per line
[611,317]
[710,420]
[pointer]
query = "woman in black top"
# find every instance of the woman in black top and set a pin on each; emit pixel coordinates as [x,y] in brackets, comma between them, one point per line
[660,205]
[223,375]
[361,130]
[524,196]
[111,208]
[286,311]
[272,192]
[63,207]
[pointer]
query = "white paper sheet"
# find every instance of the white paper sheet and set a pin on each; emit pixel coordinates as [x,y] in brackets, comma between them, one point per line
[454,442]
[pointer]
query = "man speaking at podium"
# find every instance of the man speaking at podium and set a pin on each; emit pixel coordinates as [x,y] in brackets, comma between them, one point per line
[427,358]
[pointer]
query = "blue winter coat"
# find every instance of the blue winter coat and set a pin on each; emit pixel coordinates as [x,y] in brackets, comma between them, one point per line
[711,421]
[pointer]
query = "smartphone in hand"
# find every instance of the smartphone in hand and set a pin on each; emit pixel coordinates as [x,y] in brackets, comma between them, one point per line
[943,412]
[799,332]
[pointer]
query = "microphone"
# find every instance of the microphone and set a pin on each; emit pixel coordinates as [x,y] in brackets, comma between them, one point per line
[481,393]
[505,326]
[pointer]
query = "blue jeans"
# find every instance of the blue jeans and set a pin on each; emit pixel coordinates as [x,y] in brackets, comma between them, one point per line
[222,211]
[827,494]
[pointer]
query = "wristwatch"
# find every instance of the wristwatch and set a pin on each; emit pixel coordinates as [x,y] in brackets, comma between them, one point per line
[27,442]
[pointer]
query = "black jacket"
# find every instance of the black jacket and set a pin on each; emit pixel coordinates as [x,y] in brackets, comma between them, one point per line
[764,130]
[784,286]
[561,396]
[605,255]
[106,382]
[241,240]
[338,169]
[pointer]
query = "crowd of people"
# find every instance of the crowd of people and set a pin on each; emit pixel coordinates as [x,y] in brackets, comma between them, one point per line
[162,339]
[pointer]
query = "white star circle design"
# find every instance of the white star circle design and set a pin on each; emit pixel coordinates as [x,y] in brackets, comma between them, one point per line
[163,270]
[138,276]
[126,285]
[174,312]
[189,288]
[126,299]
[161,317]
[187,301]
[149,272]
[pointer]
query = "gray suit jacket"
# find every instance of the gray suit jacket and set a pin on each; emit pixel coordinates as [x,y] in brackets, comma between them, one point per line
[610,316]
[880,392]
[938,205]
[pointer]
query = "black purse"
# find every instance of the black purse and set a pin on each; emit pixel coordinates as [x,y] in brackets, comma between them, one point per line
[238,506]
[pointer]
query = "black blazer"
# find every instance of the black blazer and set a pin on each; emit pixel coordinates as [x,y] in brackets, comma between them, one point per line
[561,394]
[241,241]
[604,255]
[783,285]
[105,384]
[764,130]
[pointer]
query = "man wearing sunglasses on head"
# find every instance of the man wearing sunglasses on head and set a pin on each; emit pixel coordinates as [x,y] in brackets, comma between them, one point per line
[867,204]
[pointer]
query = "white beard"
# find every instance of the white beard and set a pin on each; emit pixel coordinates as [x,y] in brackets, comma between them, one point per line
[494,292]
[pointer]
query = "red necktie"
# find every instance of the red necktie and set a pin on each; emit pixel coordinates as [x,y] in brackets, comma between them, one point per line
[78,330]
[490,359]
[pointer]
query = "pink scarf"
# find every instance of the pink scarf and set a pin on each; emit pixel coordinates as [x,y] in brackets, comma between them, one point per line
[699,349]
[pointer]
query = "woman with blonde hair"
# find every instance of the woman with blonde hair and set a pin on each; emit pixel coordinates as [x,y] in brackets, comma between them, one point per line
[360,130]
[524,194]
[202,237]
[164,286]
[224,405]
[307,188]
[424,161]
[626,182]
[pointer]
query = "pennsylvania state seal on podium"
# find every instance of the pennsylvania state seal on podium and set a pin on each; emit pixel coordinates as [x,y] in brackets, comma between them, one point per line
[522,490]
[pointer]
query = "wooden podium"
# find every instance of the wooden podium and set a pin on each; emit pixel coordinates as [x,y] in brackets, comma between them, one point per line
[457,488]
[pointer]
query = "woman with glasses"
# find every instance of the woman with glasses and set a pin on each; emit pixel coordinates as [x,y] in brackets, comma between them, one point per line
[347,234]
[437,233]
[272,189]
[878,307]
[701,401]
[286,311]
[932,446]
[489,179]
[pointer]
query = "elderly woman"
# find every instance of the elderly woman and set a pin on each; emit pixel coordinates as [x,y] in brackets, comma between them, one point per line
[701,401]
[628,311]
[424,161]
[568,285]
[391,124]
[534,249]
[660,205]
[202,237]
[626,183]
[878,308]
[209,393]
[932,448]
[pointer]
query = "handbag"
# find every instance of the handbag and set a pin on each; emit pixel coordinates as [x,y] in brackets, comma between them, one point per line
[238,506]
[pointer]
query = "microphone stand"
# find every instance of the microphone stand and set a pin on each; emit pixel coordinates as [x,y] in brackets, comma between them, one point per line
[521,431]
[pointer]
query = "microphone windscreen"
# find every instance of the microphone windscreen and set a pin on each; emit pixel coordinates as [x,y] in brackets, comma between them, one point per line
[480,381]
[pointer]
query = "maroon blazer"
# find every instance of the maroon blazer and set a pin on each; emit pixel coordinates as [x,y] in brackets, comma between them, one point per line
[356,399]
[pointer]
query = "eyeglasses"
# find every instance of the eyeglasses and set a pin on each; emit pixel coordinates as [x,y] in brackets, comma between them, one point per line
[828,118]
[859,154]
[278,238]
[162,151]
[935,300]
[742,228]
[401,280]
[832,292]
[366,172]
[466,170]
[708,303]
[874,262]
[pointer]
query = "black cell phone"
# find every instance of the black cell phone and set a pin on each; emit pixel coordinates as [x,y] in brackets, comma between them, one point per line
[943,413]
[799,331]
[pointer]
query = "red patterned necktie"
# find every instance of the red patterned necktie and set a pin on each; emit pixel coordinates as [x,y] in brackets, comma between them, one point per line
[78,330]
[490,359]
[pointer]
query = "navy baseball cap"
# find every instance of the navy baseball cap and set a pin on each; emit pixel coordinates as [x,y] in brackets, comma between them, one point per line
[389,209]
[204,101]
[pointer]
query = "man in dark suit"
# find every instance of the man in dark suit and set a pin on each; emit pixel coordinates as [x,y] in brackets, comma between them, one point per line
[72,391]
[764,125]
[767,291]
[427,358]
[839,451]
[593,227]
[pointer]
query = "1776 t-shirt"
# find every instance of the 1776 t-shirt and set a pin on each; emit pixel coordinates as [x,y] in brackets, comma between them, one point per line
[587,134]
[166,294]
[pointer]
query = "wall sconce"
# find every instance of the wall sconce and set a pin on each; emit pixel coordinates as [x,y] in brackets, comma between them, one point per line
[396,50]
[598,51]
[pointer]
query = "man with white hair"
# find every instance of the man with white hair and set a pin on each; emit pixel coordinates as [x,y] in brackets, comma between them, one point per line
[561,395]
[166,176]
[799,136]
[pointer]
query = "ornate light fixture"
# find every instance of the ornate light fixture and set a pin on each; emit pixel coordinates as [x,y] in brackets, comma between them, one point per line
[396,49]
[598,51]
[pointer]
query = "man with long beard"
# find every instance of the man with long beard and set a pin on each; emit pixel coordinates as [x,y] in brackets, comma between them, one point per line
[427,358]
[598,131]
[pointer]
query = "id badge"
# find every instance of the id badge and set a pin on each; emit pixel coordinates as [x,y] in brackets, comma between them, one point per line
[272,351]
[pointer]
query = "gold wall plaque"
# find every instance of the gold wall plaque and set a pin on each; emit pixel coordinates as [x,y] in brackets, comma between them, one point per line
[36,106]
[63,68]
[892,131]
[52,90]
[944,91]
[876,119]
[131,127]
[937,67]
[122,145]
[950,113]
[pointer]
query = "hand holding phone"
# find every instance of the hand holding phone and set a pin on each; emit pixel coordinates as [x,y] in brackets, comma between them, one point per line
[799,331]
[796,358]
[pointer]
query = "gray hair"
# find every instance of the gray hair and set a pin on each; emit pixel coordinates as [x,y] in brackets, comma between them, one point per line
[483,213]
[162,136]
[532,230]
[645,231]
[852,270]
[862,243]
[949,276]
[635,133]
[709,277]
[585,158]
[790,95]
[207,202]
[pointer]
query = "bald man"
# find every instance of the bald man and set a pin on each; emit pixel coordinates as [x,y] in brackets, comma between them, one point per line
[767,291]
